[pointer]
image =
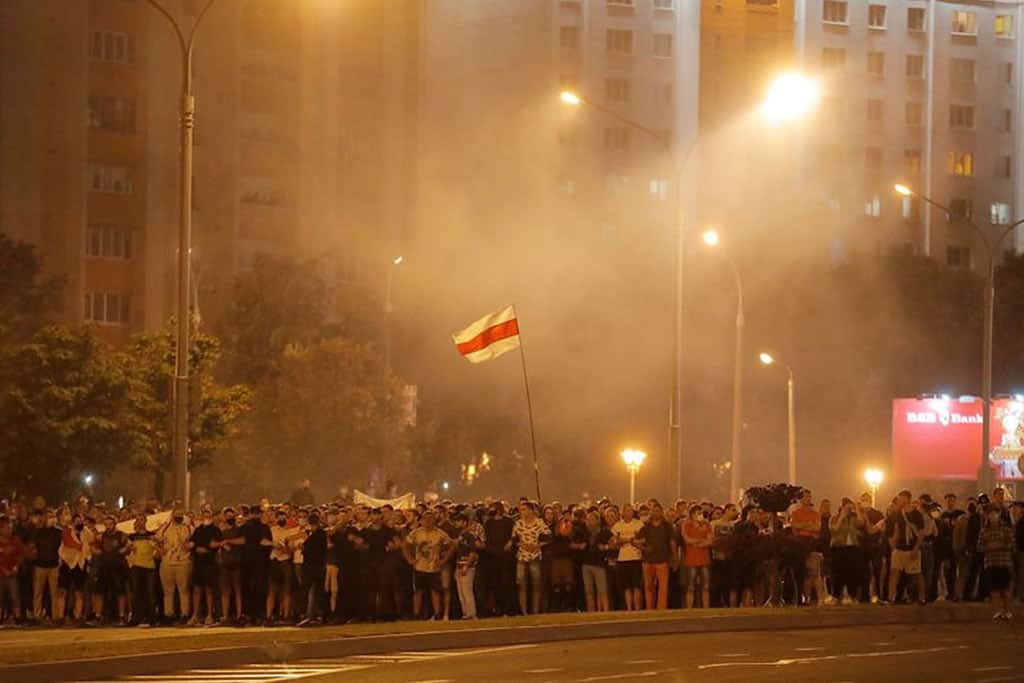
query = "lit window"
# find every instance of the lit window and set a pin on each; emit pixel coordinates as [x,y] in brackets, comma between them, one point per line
[616,138]
[910,209]
[663,45]
[569,37]
[659,187]
[873,158]
[617,89]
[1002,214]
[834,12]
[912,162]
[965,23]
[958,257]
[960,164]
[962,70]
[916,19]
[110,46]
[112,113]
[1004,25]
[915,66]
[876,64]
[620,3]
[876,16]
[664,4]
[619,42]
[873,207]
[833,57]
[914,113]
[961,116]
[876,110]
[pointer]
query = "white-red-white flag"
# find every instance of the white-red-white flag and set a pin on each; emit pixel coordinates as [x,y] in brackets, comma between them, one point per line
[489,337]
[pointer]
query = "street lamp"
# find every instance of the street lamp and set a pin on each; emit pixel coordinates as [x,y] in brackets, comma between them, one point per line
[712,239]
[791,96]
[992,246]
[388,308]
[633,459]
[874,478]
[186,42]
[768,359]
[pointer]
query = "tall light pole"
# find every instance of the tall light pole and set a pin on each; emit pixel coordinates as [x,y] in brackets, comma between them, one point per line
[633,459]
[791,96]
[874,478]
[713,239]
[388,308]
[986,477]
[186,42]
[768,359]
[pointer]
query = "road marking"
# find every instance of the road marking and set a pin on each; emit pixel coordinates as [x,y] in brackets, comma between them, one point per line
[823,658]
[613,677]
[982,669]
[886,643]
[645,661]
[998,679]
[808,649]
[736,654]
[542,671]
[434,680]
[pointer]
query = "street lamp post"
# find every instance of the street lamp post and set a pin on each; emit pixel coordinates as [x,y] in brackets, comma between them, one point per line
[768,359]
[633,459]
[873,477]
[791,96]
[186,42]
[712,239]
[388,308]
[986,477]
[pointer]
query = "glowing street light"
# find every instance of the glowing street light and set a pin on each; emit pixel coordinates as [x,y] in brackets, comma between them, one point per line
[397,260]
[767,359]
[712,239]
[633,459]
[570,98]
[88,479]
[993,247]
[791,96]
[874,478]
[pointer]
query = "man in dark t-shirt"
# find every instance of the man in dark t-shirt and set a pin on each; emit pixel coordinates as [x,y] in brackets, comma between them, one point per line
[658,543]
[255,560]
[205,539]
[497,564]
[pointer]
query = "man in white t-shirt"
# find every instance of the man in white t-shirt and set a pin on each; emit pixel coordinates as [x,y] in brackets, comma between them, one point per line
[631,578]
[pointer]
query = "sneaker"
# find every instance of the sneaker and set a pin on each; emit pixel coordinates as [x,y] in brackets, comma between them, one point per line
[209,621]
[1008,616]
[305,622]
[144,624]
[998,616]
[941,598]
[874,599]
[847,600]
[193,621]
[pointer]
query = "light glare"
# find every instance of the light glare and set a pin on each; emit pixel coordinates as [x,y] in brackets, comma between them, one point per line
[873,476]
[711,238]
[633,457]
[766,358]
[790,97]
[903,190]
[570,98]
[398,260]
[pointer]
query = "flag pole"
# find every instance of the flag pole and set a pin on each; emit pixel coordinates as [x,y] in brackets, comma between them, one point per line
[529,408]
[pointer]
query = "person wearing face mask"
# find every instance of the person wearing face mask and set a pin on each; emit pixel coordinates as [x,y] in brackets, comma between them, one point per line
[996,541]
[142,572]
[45,546]
[205,540]
[229,559]
[74,554]
[698,535]
[282,572]
[175,538]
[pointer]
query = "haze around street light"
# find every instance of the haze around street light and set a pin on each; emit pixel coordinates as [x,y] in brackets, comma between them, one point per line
[791,96]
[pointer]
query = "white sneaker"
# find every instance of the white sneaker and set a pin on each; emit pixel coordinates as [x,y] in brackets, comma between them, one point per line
[874,599]
[847,600]
[998,616]
[209,620]
[1008,615]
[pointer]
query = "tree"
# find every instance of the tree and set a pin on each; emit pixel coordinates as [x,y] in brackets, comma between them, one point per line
[215,409]
[338,414]
[24,301]
[61,411]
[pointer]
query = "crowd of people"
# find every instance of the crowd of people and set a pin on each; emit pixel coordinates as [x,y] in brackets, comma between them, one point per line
[342,562]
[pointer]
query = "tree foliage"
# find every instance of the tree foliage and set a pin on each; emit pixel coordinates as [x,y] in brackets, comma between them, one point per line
[62,411]
[214,408]
[24,300]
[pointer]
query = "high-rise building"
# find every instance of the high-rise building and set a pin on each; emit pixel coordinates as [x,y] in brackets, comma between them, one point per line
[304,123]
[921,92]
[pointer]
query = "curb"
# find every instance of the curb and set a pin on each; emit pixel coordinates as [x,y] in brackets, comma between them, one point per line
[717,622]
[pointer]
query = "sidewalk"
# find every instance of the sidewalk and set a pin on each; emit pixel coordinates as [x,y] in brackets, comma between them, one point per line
[39,655]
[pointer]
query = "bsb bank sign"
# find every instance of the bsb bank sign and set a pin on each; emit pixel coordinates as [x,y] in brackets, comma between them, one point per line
[939,438]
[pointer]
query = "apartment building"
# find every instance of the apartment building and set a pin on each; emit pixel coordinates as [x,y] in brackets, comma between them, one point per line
[923,92]
[303,130]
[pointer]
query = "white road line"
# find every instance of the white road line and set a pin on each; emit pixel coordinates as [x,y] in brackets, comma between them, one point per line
[542,671]
[999,679]
[735,654]
[645,661]
[434,680]
[982,669]
[823,658]
[887,643]
[613,677]
[808,649]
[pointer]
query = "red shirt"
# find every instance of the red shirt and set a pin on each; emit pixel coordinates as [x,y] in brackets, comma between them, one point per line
[11,553]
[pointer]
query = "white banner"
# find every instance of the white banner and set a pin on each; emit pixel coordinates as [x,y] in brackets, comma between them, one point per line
[406,502]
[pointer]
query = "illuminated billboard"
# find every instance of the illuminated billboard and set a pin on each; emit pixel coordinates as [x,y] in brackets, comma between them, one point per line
[940,438]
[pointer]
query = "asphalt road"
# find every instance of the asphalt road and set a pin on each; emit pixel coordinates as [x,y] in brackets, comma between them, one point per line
[976,653]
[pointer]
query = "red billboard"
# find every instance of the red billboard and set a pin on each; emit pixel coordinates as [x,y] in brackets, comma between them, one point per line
[940,438]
